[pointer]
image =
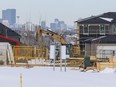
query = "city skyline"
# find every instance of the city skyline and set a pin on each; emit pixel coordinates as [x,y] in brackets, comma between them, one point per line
[66,10]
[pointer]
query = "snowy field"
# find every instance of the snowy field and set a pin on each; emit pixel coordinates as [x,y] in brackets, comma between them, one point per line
[46,77]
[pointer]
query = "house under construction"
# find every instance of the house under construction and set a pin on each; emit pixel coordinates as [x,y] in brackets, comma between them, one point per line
[96,31]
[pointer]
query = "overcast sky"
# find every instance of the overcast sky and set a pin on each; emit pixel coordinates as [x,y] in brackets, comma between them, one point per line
[67,10]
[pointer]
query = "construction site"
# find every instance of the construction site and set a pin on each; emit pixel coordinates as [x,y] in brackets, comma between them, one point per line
[57,43]
[94,48]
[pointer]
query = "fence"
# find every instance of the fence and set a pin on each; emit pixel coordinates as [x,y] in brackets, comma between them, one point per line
[29,52]
[110,64]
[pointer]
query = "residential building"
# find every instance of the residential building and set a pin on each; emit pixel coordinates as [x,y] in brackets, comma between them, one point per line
[8,35]
[96,30]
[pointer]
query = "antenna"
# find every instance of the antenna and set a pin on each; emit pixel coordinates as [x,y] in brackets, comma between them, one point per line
[40,20]
[18,21]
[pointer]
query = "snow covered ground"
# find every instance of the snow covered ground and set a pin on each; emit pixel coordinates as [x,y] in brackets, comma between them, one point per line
[46,77]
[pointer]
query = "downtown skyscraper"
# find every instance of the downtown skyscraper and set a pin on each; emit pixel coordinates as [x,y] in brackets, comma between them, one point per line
[10,15]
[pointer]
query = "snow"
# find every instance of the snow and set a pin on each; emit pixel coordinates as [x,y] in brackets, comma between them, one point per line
[107,19]
[108,70]
[46,77]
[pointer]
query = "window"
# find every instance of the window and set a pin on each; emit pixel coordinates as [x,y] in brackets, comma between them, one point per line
[86,29]
[114,29]
[102,29]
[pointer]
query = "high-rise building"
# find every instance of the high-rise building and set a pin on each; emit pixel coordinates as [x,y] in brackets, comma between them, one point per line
[29,26]
[52,26]
[0,20]
[58,25]
[5,22]
[10,15]
[43,24]
[63,25]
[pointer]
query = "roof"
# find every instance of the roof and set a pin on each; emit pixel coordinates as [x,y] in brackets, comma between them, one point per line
[6,39]
[102,39]
[109,39]
[7,31]
[106,18]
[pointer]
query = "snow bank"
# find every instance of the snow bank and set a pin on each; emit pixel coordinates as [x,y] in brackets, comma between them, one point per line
[108,70]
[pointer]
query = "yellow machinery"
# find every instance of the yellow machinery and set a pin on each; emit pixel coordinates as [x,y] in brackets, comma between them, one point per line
[24,53]
[74,49]
[49,33]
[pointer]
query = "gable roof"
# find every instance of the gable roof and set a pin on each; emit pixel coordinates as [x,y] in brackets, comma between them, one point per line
[4,30]
[106,18]
[109,15]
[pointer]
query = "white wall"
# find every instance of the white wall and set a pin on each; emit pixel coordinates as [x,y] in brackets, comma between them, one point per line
[6,52]
[106,51]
